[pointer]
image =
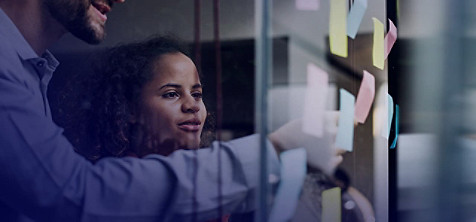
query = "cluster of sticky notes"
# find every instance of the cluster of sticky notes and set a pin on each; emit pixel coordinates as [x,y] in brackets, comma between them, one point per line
[307,5]
[350,108]
[382,45]
[293,173]
[342,25]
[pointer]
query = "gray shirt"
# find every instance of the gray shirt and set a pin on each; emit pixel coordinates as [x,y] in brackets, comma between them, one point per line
[42,178]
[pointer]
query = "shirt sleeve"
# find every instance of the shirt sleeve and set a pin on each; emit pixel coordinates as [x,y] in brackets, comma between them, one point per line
[43,178]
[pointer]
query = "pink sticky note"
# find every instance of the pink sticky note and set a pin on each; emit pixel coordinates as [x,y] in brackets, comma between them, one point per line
[315,101]
[307,5]
[390,38]
[365,97]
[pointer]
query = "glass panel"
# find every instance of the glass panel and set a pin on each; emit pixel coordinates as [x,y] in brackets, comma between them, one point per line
[253,58]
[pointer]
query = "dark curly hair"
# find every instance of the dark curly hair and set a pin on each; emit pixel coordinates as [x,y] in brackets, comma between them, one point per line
[104,129]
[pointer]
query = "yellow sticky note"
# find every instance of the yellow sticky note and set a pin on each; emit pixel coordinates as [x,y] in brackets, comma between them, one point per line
[338,28]
[378,52]
[331,205]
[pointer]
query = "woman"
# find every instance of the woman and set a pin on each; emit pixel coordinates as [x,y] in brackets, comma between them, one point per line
[146,98]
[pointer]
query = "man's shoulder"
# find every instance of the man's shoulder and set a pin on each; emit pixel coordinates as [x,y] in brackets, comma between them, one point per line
[10,62]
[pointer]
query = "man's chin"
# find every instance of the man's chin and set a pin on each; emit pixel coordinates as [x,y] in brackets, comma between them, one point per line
[90,38]
[90,33]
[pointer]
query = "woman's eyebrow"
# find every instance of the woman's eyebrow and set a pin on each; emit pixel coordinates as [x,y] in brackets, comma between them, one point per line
[197,86]
[171,85]
[174,85]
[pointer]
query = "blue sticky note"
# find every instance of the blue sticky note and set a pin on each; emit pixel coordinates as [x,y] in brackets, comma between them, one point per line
[397,113]
[355,17]
[390,114]
[293,173]
[345,129]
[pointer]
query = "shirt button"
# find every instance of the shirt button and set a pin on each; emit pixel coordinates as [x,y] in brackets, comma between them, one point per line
[40,64]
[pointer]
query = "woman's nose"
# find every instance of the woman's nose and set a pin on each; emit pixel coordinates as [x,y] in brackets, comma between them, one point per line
[190,105]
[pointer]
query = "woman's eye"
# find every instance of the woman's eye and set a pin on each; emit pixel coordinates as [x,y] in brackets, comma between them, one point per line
[170,95]
[198,95]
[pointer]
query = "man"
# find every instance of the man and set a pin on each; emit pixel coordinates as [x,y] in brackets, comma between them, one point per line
[42,179]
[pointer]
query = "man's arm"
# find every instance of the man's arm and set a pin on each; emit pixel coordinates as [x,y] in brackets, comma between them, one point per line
[41,176]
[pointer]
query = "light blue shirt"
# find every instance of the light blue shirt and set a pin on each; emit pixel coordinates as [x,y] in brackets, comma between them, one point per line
[42,178]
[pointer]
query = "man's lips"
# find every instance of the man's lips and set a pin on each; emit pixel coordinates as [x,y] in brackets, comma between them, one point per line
[102,7]
[101,16]
[192,125]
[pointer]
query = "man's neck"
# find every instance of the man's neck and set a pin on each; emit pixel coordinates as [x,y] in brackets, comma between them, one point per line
[34,22]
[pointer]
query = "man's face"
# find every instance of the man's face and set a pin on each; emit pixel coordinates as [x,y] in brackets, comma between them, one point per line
[85,19]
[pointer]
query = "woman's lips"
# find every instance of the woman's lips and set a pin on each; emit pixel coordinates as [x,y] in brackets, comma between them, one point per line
[193,125]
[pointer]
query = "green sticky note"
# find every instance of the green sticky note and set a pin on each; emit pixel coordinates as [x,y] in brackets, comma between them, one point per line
[331,205]
[338,28]
[378,52]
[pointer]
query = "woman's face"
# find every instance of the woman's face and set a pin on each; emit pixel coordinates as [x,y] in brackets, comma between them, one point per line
[171,109]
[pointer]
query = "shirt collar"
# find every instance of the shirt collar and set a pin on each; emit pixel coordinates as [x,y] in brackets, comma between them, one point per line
[13,36]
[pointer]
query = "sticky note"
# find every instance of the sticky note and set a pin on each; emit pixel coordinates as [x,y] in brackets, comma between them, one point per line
[315,101]
[338,27]
[331,205]
[397,113]
[355,17]
[365,97]
[345,128]
[307,5]
[390,38]
[293,173]
[377,49]
[390,115]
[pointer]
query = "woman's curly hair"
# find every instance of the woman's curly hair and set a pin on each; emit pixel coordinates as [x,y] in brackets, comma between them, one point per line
[104,128]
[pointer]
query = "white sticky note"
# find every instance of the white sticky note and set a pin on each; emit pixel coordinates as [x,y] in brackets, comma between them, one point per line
[355,17]
[345,129]
[331,205]
[307,5]
[365,97]
[338,27]
[293,173]
[315,100]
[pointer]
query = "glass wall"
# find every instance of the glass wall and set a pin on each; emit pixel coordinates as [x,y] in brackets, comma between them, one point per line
[257,59]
